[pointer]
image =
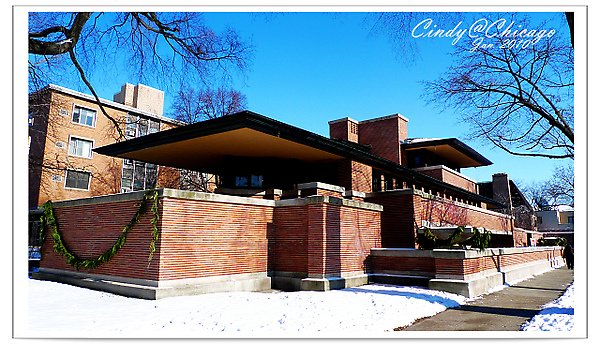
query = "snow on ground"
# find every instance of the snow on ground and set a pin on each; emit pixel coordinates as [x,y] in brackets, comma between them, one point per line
[556,315]
[59,310]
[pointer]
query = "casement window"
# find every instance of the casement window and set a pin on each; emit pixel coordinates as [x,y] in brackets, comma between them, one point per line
[84,116]
[80,147]
[77,180]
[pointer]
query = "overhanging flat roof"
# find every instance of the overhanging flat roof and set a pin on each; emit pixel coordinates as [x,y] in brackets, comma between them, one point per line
[451,149]
[204,146]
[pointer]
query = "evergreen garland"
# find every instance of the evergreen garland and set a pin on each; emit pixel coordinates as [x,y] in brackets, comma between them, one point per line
[48,220]
[429,241]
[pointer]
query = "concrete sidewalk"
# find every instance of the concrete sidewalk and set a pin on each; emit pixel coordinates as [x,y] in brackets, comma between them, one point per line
[504,310]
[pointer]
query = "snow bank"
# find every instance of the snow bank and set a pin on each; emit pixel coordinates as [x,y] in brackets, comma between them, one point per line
[556,315]
[59,310]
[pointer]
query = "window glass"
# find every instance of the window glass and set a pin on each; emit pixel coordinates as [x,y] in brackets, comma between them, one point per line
[131,126]
[142,127]
[256,181]
[151,174]
[77,180]
[241,181]
[139,176]
[84,116]
[80,147]
[153,127]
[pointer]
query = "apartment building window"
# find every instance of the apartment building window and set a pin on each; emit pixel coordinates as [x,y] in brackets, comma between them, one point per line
[138,175]
[78,180]
[137,126]
[131,126]
[84,116]
[80,147]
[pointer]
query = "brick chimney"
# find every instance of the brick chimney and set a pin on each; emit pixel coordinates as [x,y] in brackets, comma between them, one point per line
[141,97]
[501,189]
[344,129]
[384,135]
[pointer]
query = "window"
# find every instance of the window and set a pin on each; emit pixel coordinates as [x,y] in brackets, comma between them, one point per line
[154,127]
[138,175]
[571,219]
[80,147]
[252,181]
[131,126]
[241,181]
[77,180]
[84,116]
[256,181]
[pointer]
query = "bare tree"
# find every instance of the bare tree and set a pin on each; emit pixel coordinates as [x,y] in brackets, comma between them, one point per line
[191,106]
[516,94]
[163,46]
[558,190]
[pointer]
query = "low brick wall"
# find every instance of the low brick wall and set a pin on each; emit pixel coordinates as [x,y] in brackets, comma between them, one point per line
[467,272]
[211,242]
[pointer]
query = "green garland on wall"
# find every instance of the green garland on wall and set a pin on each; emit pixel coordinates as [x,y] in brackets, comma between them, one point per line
[428,241]
[48,220]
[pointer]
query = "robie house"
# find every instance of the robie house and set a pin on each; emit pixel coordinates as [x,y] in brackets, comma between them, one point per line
[294,210]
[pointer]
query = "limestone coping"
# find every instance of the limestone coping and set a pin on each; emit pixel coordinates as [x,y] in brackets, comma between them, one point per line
[456,253]
[408,191]
[322,186]
[211,197]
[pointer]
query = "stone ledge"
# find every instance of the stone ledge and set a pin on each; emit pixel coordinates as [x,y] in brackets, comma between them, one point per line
[322,186]
[130,287]
[401,252]
[333,283]
[329,200]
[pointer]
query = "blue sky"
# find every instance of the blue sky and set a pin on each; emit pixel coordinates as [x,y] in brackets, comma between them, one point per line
[310,68]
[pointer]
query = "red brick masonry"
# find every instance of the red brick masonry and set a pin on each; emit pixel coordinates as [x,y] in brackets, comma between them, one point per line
[207,235]
[467,272]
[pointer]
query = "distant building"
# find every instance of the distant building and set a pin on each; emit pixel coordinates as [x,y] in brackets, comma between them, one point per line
[557,222]
[64,128]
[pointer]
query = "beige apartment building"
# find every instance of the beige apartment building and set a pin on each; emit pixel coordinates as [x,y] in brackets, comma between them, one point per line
[64,128]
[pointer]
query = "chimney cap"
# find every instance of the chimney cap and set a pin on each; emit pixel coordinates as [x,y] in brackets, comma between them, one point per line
[345,119]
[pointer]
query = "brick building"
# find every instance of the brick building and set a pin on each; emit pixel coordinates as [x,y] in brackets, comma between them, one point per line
[64,128]
[293,210]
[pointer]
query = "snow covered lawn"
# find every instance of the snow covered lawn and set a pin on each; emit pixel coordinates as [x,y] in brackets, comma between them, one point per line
[59,310]
[556,315]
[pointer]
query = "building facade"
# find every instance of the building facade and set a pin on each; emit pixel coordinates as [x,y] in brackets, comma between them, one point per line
[64,128]
[294,210]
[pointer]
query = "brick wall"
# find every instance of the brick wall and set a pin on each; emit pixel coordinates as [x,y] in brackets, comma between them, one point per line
[458,264]
[323,239]
[446,175]
[89,230]
[288,240]
[384,135]
[206,238]
[454,213]
[404,210]
[397,219]
[354,176]
[206,235]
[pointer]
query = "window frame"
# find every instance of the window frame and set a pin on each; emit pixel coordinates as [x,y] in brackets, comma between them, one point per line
[82,139]
[78,171]
[86,108]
